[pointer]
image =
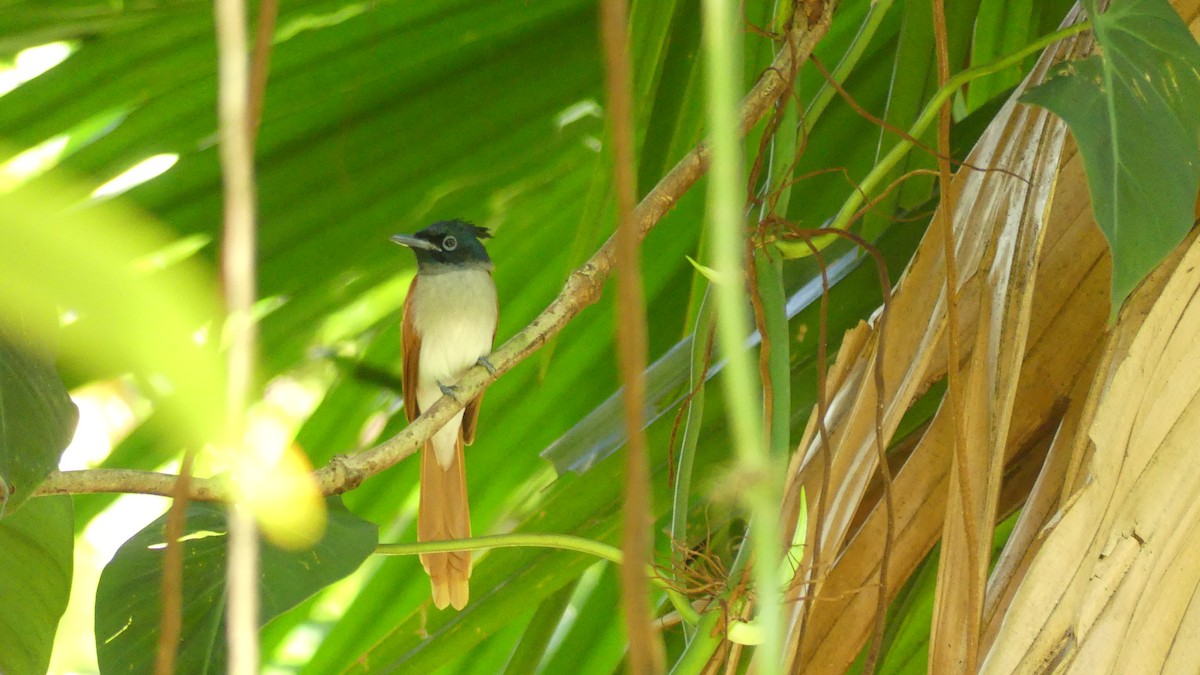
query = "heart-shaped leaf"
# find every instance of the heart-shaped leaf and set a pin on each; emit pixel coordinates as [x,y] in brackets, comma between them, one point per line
[129,602]
[1134,109]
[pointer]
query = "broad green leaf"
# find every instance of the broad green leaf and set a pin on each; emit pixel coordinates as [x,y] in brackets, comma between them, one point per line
[487,658]
[913,81]
[1134,108]
[535,639]
[37,417]
[36,548]
[1001,28]
[129,602]
[505,584]
[594,644]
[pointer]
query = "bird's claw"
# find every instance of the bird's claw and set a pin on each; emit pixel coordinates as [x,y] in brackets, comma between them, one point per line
[450,390]
[483,361]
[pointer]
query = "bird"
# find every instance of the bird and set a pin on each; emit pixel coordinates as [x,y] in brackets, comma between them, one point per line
[448,326]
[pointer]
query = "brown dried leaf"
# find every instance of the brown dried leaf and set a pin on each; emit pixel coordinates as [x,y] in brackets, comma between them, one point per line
[1067,318]
[1040,362]
[1110,588]
[998,228]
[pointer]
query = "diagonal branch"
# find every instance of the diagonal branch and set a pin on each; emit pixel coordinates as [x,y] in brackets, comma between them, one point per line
[583,288]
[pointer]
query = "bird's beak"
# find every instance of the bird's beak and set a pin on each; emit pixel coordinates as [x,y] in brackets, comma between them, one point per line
[413,242]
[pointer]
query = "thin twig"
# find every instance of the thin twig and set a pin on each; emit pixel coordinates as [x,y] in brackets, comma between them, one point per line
[810,579]
[726,228]
[685,404]
[807,235]
[646,654]
[902,133]
[260,67]
[171,623]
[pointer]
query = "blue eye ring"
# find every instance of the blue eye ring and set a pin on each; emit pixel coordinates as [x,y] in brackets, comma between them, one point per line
[449,243]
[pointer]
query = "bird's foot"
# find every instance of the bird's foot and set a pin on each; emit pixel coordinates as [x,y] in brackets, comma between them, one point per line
[450,390]
[483,361]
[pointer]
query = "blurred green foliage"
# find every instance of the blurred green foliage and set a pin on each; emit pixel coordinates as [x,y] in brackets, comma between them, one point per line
[380,117]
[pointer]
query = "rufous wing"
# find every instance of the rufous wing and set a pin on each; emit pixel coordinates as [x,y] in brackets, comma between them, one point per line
[410,349]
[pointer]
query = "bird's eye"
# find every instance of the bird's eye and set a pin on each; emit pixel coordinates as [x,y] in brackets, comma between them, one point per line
[449,244]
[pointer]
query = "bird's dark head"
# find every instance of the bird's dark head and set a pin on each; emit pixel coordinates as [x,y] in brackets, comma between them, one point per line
[448,244]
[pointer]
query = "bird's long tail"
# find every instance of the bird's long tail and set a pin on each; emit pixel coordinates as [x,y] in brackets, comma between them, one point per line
[444,514]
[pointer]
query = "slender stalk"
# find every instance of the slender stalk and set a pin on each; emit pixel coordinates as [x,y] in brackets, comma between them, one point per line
[775,354]
[564,542]
[776,339]
[695,418]
[767,292]
[241,628]
[237,275]
[700,650]
[171,623]
[268,11]
[722,42]
[535,641]
[646,654]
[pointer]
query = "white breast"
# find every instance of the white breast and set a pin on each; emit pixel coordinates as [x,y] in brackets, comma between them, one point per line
[455,316]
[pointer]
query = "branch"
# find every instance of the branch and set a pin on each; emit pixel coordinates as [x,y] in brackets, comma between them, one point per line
[583,287]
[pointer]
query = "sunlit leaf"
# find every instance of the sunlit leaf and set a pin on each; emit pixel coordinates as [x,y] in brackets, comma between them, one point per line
[59,251]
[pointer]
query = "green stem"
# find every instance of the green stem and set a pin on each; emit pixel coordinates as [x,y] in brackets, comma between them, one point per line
[768,265]
[565,542]
[723,66]
[699,651]
[928,115]
[704,643]
[692,424]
